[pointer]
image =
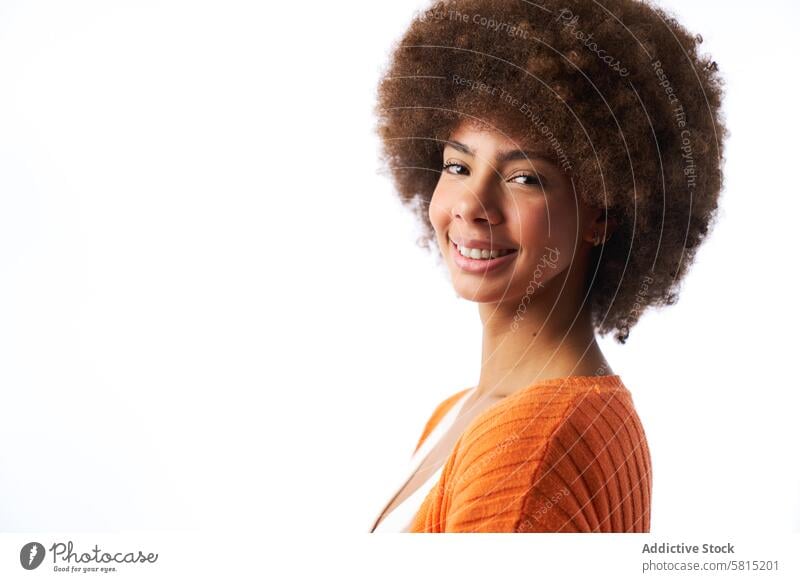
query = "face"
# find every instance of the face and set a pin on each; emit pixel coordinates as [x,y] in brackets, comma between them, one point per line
[514,214]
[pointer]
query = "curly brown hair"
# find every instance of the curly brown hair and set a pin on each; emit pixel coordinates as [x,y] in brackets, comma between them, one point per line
[614,92]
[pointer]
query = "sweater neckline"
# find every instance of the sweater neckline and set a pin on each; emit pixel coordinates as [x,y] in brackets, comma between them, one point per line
[572,383]
[549,386]
[566,384]
[580,382]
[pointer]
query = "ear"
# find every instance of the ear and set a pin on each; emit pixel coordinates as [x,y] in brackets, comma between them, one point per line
[599,226]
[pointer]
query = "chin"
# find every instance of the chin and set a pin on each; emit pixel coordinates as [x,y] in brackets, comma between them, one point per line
[482,291]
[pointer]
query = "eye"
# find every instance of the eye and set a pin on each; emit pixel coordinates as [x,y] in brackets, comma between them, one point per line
[532,179]
[456,168]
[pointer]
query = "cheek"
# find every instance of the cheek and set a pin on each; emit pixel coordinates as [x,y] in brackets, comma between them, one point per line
[547,237]
[531,222]
[542,222]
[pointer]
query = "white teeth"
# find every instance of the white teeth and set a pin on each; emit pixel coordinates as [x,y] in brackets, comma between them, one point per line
[482,254]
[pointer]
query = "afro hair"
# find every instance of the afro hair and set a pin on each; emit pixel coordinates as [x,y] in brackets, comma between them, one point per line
[614,92]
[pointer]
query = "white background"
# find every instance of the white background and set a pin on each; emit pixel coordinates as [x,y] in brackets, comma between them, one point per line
[213,313]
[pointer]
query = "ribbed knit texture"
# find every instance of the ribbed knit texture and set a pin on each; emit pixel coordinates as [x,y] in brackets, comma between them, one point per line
[563,455]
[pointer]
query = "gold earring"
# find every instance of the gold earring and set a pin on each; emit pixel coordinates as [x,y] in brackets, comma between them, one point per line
[596,238]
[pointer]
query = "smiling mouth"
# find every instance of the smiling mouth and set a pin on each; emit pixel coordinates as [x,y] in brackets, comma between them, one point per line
[481,254]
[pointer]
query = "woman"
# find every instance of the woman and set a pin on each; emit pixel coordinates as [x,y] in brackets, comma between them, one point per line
[565,160]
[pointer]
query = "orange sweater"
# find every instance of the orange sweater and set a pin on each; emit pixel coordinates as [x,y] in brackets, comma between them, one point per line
[562,455]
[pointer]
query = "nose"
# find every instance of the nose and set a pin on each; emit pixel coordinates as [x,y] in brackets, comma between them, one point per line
[477,201]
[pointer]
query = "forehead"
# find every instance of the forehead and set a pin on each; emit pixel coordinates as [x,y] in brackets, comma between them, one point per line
[488,138]
[488,141]
[484,135]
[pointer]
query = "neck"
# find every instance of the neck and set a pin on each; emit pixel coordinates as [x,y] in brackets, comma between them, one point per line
[549,336]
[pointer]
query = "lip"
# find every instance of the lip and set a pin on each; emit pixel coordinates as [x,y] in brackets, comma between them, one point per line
[480,265]
[472,243]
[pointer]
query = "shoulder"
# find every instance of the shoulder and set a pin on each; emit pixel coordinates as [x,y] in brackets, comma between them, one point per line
[441,409]
[552,459]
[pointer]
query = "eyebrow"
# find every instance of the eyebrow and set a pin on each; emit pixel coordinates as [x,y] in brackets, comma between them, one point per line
[506,156]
